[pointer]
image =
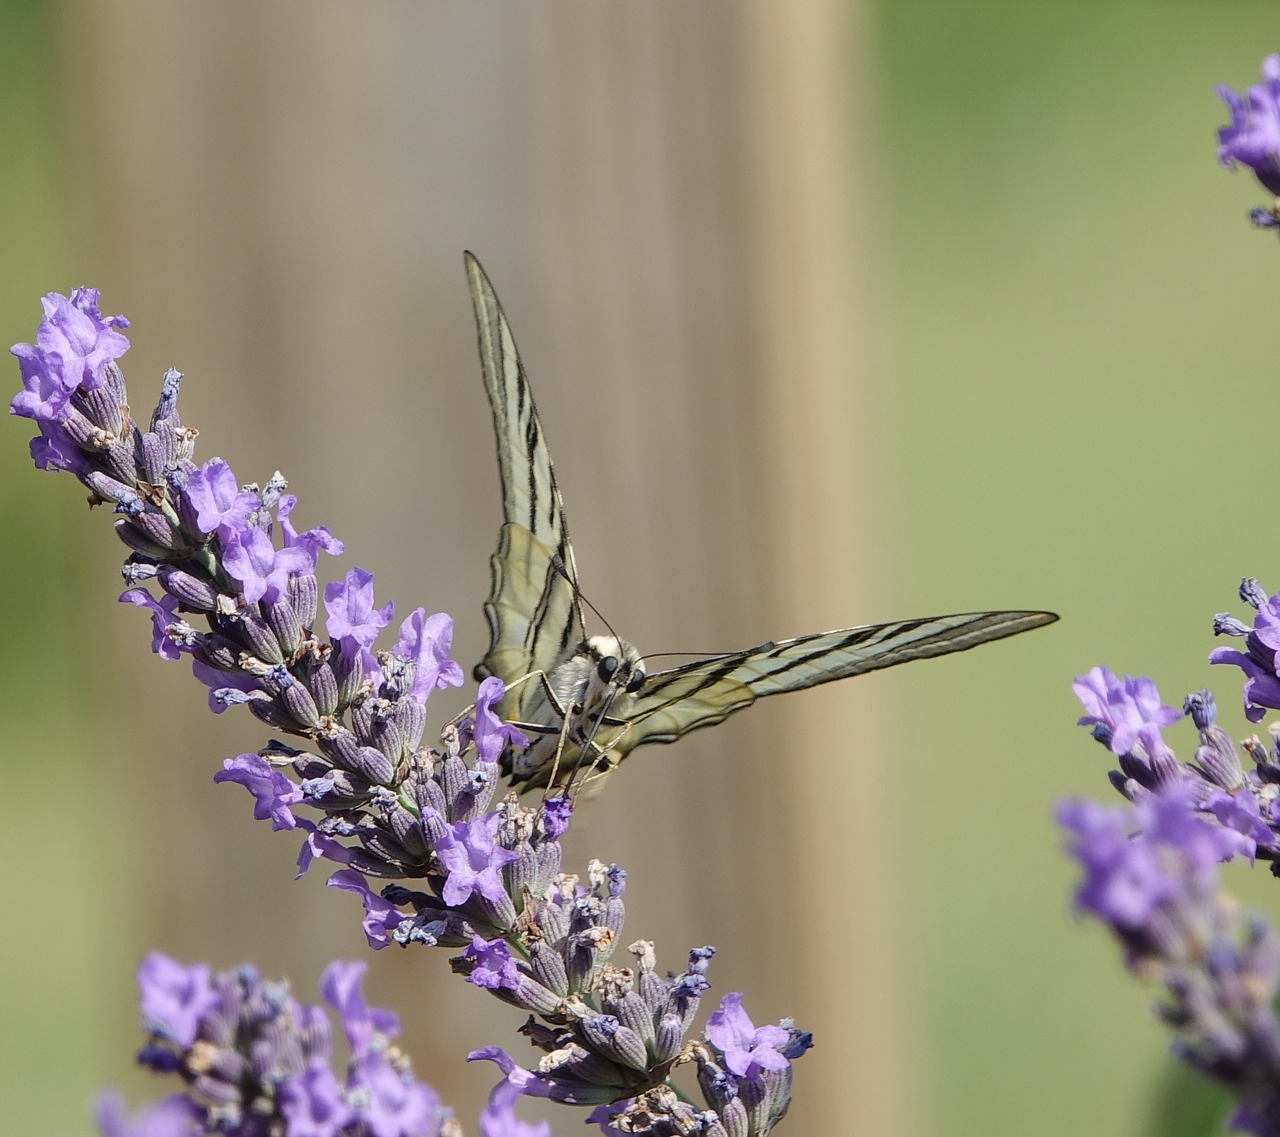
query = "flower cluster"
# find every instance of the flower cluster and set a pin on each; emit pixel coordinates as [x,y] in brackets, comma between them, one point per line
[256,1062]
[1252,137]
[457,868]
[1151,868]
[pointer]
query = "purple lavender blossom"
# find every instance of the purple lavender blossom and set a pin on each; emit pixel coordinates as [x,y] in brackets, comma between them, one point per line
[76,334]
[217,499]
[424,641]
[381,917]
[473,861]
[176,1116]
[311,1103]
[499,1116]
[273,793]
[162,616]
[340,987]
[351,614]
[1128,710]
[312,541]
[1123,881]
[1252,138]
[395,1105]
[43,397]
[174,998]
[748,1049]
[262,570]
[494,967]
[1262,643]
[491,734]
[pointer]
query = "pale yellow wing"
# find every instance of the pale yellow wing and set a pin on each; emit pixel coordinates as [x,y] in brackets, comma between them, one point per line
[534,614]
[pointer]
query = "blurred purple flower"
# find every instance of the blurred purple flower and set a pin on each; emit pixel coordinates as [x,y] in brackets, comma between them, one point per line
[176,1116]
[174,998]
[1123,881]
[1252,137]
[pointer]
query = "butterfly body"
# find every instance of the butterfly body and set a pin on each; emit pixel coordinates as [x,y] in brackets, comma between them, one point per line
[592,691]
[586,702]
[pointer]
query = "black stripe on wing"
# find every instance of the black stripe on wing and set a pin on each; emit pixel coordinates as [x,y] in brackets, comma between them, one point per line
[533,608]
[706,692]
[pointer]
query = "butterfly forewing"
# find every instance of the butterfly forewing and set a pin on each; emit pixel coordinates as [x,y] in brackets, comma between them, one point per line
[537,634]
[706,692]
[533,607]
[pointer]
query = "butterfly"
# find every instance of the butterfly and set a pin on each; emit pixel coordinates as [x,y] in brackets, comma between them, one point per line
[586,702]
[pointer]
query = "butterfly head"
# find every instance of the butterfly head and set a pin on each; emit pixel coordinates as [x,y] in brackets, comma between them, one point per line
[616,668]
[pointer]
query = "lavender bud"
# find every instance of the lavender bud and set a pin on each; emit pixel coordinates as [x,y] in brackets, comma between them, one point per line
[110,489]
[102,406]
[548,968]
[268,710]
[258,637]
[166,412]
[304,594]
[154,458]
[159,529]
[618,1042]
[118,458]
[533,996]
[668,1037]
[283,621]
[553,921]
[322,684]
[1217,758]
[411,718]
[190,591]
[298,700]
[371,764]
[216,651]
[408,831]
[634,1012]
[348,670]
[1252,593]
[139,542]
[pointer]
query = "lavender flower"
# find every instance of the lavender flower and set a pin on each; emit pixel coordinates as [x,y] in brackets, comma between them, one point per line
[458,869]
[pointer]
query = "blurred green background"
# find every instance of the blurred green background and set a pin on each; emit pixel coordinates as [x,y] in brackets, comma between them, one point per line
[1070,334]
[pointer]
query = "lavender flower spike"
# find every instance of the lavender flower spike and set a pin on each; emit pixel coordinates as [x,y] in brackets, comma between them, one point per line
[413,826]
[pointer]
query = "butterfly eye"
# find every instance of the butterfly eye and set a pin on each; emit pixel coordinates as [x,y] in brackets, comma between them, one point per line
[633,684]
[606,668]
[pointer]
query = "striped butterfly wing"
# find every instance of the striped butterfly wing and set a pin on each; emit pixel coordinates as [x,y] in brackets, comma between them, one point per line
[535,618]
[706,692]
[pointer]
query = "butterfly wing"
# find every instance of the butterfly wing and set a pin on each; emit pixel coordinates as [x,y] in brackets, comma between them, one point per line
[704,693]
[535,619]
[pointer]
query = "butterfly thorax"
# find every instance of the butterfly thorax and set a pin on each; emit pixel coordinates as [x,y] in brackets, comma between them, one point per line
[593,690]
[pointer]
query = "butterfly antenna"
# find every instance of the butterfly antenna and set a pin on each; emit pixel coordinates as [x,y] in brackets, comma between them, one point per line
[557,563]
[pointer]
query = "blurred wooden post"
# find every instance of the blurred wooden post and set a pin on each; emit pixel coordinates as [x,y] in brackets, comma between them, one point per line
[659,191]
